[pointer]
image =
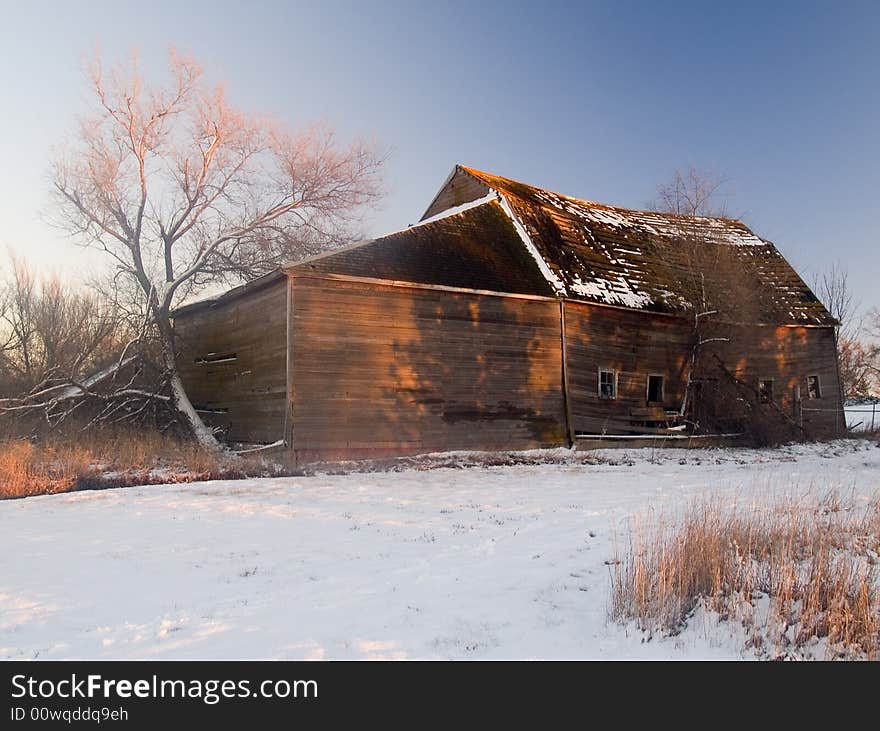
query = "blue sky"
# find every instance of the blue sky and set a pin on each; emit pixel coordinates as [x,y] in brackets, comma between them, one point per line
[598,100]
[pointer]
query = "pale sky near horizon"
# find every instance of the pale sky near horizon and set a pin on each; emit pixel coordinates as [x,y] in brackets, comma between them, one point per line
[599,100]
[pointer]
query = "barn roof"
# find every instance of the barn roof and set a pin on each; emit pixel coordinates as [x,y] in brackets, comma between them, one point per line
[474,246]
[643,259]
[486,232]
[242,290]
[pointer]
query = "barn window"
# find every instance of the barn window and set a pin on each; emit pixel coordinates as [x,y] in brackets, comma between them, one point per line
[765,391]
[655,389]
[814,387]
[607,384]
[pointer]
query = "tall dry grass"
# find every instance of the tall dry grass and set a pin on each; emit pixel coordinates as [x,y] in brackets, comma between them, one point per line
[27,470]
[793,574]
[114,458]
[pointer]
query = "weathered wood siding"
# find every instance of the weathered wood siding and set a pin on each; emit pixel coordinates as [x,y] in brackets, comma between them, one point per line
[462,188]
[388,369]
[232,358]
[639,344]
[379,369]
[787,355]
[634,344]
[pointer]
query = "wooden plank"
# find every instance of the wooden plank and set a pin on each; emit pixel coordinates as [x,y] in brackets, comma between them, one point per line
[252,387]
[289,356]
[566,396]
[380,369]
[413,285]
[344,363]
[636,344]
[459,188]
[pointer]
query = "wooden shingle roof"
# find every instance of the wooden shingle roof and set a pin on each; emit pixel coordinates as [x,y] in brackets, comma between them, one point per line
[486,232]
[644,259]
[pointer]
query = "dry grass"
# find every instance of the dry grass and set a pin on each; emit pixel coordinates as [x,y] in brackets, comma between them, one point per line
[793,574]
[114,459]
[28,470]
[106,458]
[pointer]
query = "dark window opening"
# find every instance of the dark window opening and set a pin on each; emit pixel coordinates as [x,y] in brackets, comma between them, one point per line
[655,389]
[814,387]
[765,391]
[607,384]
[212,358]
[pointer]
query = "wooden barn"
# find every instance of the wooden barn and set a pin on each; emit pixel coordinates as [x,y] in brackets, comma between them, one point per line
[512,317]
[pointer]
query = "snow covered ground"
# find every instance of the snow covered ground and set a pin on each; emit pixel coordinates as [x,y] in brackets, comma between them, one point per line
[500,562]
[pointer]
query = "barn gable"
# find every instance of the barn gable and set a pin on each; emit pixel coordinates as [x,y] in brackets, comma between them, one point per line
[641,259]
[475,246]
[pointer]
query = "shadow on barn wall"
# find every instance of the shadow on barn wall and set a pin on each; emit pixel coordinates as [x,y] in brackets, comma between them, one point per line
[381,369]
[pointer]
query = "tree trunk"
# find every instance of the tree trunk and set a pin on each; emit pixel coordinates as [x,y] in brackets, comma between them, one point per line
[203,435]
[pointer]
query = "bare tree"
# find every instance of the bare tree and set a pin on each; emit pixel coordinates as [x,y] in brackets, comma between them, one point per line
[858,354]
[6,336]
[692,192]
[57,343]
[859,364]
[832,288]
[866,361]
[700,266]
[49,332]
[719,288]
[711,277]
[181,190]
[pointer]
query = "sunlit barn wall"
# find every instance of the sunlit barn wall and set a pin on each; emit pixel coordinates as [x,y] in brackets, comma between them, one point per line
[348,367]
[633,345]
[787,356]
[380,369]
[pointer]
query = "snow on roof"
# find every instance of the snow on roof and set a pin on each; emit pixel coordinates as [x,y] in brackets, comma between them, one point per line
[486,232]
[644,259]
[710,229]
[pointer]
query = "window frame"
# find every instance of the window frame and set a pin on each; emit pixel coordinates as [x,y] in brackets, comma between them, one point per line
[818,395]
[613,373]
